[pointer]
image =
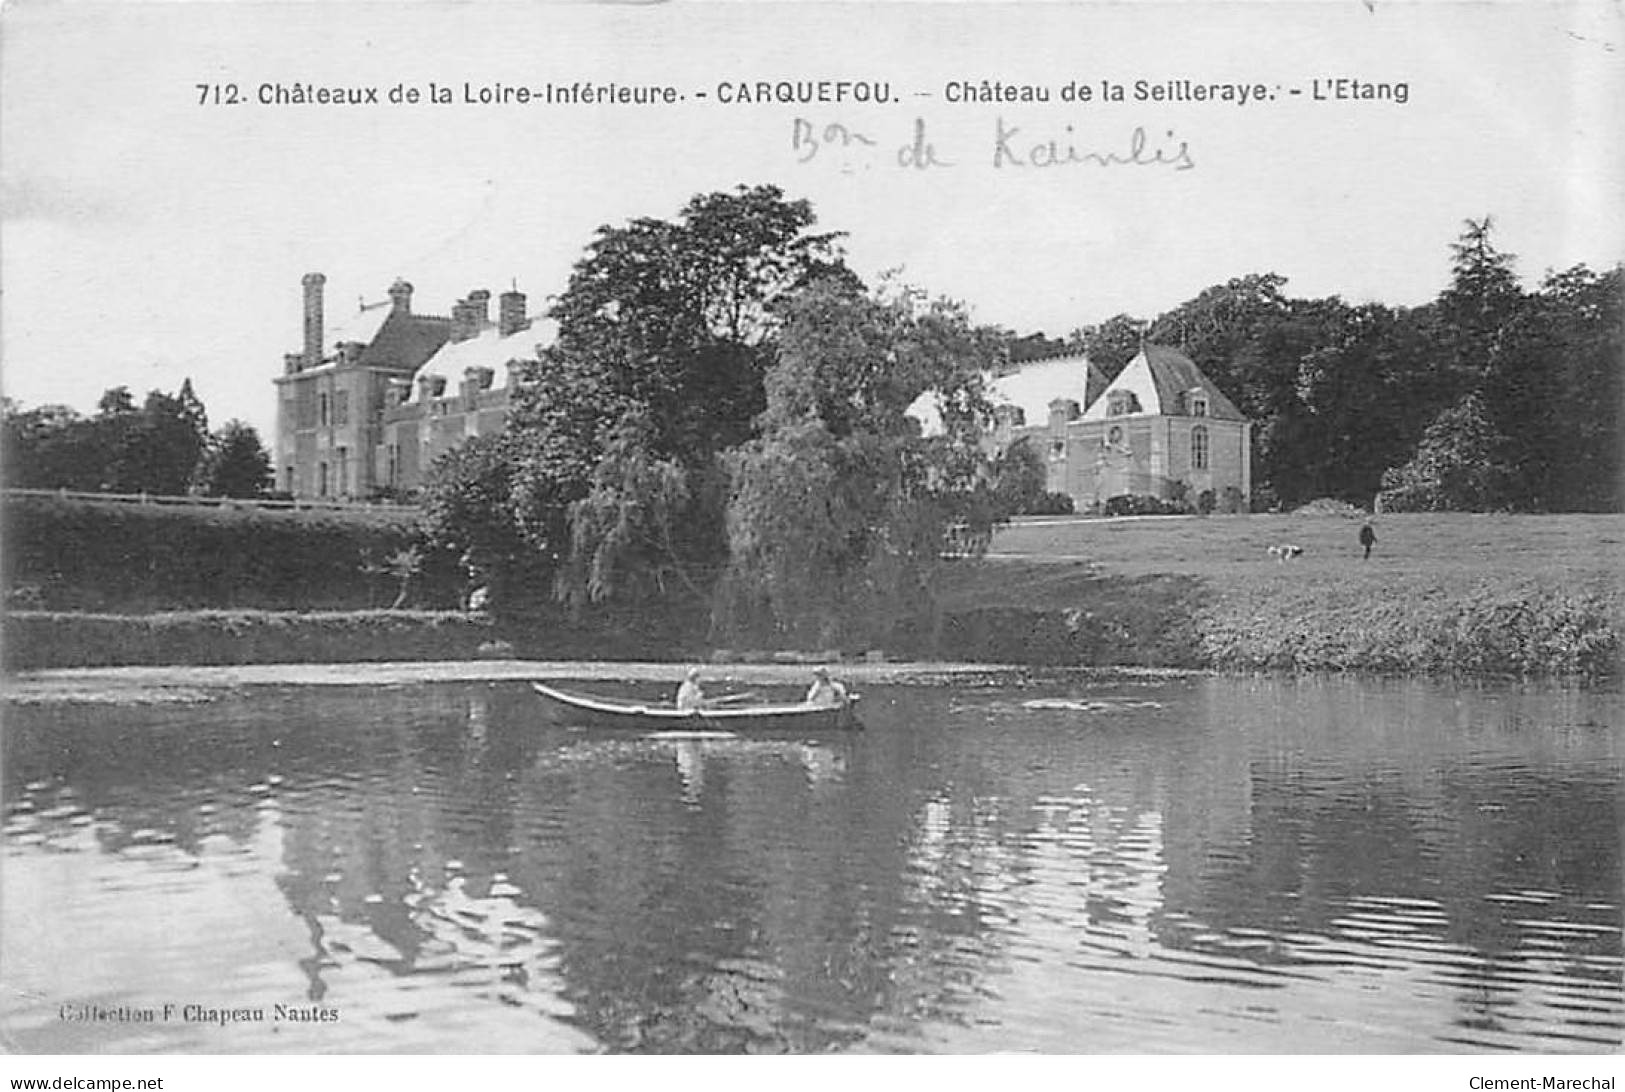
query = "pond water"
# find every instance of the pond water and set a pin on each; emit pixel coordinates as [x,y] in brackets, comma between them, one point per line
[1081,865]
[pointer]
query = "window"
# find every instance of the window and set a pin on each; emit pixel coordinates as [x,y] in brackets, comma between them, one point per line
[1057,449]
[324,416]
[342,485]
[341,408]
[1198,405]
[321,479]
[1199,447]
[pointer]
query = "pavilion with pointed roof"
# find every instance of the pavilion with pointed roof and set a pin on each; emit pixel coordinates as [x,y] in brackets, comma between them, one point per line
[1161,428]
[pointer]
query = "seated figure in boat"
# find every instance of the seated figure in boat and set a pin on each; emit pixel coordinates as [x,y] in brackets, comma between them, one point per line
[825,690]
[691,695]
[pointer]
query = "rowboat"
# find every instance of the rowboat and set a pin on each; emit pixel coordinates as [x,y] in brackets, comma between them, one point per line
[780,717]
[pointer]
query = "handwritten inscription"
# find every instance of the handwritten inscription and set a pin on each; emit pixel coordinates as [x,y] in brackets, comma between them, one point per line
[1011,146]
[1010,149]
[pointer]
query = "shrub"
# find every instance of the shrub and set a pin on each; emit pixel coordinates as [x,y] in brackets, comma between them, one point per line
[1140,504]
[1051,504]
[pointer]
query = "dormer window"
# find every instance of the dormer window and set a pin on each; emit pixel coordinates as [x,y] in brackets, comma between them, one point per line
[1119,403]
[1198,405]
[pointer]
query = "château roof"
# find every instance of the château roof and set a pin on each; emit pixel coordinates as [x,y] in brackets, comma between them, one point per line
[487,349]
[361,325]
[406,341]
[1162,378]
[1036,385]
[1031,388]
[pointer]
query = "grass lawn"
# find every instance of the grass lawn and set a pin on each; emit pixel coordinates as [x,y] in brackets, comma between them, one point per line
[1452,545]
[1447,592]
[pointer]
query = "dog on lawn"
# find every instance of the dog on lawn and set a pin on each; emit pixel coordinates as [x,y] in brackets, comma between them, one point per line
[1285,552]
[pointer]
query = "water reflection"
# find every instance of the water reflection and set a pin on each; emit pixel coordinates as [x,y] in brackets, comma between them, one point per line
[1175,864]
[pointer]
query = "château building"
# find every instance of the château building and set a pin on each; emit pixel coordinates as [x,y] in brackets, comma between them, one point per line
[1160,429]
[369,404]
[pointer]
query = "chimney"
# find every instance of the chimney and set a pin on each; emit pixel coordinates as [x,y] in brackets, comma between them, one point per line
[400,295]
[313,318]
[462,321]
[479,302]
[1062,410]
[511,313]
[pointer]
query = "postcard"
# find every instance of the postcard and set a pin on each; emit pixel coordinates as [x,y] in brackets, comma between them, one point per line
[812,528]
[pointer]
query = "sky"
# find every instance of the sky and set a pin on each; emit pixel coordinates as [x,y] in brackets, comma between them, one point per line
[149,236]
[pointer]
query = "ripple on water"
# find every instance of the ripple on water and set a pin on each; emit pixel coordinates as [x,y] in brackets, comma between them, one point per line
[455,879]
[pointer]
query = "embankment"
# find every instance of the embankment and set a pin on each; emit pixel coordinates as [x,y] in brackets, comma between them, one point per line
[1445,594]
[1277,619]
[40,639]
[1043,616]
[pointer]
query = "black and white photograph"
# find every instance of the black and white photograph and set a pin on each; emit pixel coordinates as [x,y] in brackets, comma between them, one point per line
[1007,530]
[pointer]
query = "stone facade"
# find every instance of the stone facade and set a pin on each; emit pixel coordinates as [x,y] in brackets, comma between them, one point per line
[1160,429]
[364,409]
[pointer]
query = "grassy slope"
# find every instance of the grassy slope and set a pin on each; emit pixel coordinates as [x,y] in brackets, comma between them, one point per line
[1482,593]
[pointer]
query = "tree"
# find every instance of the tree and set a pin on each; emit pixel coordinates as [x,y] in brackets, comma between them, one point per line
[115,402]
[1340,393]
[840,511]
[1571,458]
[470,519]
[47,448]
[665,333]
[1020,479]
[122,449]
[1457,466]
[1213,328]
[1483,300]
[236,463]
[191,408]
[1112,344]
[1035,346]
[159,449]
[673,319]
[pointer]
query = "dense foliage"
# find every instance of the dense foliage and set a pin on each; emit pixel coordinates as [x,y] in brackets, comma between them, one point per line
[840,511]
[163,448]
[84,555]
[235,463]
[607,486]
[1489,397]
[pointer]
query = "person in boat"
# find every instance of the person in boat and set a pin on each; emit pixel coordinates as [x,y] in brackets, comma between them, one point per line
[825,690]
[691,695]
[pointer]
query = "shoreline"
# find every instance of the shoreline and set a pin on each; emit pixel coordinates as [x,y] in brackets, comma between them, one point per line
[185,683]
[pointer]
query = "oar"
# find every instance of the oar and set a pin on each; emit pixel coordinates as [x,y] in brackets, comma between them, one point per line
[734,697]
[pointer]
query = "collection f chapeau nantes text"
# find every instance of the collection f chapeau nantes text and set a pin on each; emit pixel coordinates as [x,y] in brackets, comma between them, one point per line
[865,138]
